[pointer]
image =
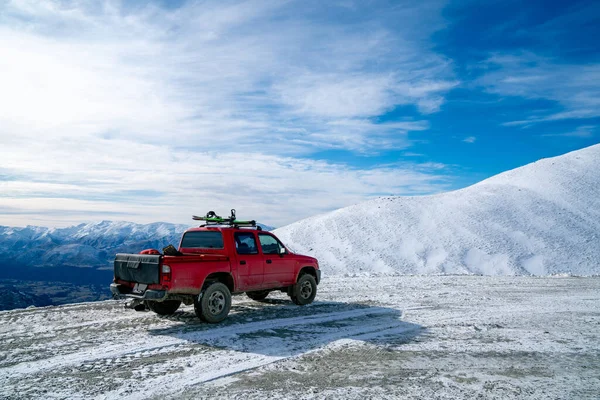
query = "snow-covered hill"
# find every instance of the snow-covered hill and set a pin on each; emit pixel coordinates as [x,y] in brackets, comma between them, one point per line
[540,219]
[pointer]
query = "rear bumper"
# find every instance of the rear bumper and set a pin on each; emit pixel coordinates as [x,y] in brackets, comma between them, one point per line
[124,292]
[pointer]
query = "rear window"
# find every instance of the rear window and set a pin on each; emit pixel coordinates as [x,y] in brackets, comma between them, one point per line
[202,240]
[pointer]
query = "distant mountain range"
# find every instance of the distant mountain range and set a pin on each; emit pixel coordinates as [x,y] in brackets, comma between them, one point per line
[540,219]
[85,245]
[50,266]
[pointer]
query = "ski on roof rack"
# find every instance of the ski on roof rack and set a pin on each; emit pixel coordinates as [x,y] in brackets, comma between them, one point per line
[212,218]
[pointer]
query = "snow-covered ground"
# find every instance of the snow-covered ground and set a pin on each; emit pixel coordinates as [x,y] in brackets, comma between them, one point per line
[392,337]
[540,219]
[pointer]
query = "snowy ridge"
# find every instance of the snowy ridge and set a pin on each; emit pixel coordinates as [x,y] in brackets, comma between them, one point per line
[540,219]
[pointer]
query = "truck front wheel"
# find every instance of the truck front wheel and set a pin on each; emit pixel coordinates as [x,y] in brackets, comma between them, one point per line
[167,307]
[304,291]
[213,304]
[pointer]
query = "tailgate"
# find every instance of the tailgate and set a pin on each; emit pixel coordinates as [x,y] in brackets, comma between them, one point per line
[140,268]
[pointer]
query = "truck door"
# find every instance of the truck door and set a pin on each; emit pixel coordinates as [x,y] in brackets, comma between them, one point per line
[279,269]
[250,262]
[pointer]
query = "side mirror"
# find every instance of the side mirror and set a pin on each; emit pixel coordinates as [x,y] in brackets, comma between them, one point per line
[282,251]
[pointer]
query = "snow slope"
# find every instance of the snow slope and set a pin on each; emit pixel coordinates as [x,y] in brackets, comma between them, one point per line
[540,219]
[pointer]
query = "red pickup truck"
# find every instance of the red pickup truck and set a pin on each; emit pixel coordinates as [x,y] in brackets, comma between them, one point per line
[215,262]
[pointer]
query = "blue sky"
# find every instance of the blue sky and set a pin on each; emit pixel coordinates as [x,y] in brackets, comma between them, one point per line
[147,112]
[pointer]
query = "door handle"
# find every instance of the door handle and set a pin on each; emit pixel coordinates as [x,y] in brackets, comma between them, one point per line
[269,261]
[242,262]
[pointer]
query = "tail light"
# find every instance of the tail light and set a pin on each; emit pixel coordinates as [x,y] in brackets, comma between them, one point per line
[165,273]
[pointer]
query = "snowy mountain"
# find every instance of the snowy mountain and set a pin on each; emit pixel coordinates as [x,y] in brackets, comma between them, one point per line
[540,219]
[85,245]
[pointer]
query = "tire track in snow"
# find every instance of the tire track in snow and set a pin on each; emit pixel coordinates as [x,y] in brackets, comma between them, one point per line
[141,344]
[227,363]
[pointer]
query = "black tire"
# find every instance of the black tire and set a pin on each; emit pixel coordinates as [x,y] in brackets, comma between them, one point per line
[167,307]
[305,290]
[258,295]
[213,304]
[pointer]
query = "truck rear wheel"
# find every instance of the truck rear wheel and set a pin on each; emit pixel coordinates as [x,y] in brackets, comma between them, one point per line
[167,307]
[305,290]
[213,304]
[258,295]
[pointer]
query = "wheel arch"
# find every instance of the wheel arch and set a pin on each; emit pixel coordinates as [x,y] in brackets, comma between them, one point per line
[308,270]
[223,277]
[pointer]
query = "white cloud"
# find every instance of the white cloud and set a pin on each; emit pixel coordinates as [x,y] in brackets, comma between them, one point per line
[585,131]
[205,71]
[470,139]
[575,87]
[150,182]
[91,91]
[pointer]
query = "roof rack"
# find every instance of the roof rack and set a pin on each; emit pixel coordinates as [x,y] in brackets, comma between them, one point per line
[212,219]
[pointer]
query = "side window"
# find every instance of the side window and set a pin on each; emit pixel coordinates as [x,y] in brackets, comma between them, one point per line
[269,244]
[245,243]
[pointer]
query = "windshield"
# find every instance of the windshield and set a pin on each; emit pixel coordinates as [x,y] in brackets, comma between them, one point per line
[202,240]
